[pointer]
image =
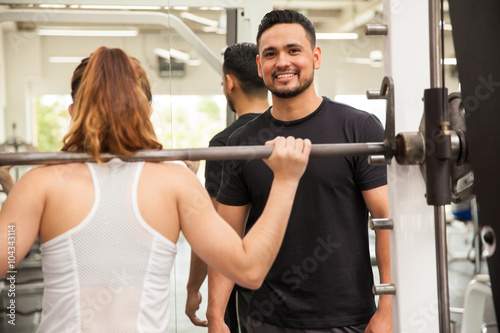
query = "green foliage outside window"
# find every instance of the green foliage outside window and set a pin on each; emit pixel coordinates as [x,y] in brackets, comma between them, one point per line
[52,122]
[190,120]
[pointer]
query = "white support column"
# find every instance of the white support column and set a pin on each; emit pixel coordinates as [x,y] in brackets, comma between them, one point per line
[249,19]
[413,253]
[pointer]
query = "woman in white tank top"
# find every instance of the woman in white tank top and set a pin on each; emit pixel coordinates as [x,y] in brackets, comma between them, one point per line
[108,229]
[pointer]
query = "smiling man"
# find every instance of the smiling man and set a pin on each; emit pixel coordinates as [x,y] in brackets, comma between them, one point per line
[322,278]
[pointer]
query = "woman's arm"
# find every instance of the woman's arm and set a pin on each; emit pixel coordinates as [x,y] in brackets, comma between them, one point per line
[20,219]
[245,261]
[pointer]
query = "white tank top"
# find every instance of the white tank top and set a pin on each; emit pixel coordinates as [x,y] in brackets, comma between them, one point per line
[111,273]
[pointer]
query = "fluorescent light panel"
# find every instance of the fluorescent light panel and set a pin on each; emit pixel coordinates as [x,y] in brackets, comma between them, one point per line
[183,56]
[176,54]
[450,61]
[65,60]
[217,30]
[211,8]
[120,7]
[336,36]
[98,32]
[199,19]
[52,6]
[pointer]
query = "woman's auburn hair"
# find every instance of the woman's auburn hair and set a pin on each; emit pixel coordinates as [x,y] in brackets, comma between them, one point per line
[111,111]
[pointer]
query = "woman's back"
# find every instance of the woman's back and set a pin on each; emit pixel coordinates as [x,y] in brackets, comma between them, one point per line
[111,270]
[69,192]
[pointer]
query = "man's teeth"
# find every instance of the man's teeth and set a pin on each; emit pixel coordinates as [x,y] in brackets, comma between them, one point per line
[284,76]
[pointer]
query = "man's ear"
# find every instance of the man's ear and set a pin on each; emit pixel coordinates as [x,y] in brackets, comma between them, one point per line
[257,58]
[70,110]
[230,83]
[317,57]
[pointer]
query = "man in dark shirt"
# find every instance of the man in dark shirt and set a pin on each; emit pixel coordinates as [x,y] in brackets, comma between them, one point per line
[246,95]
[321,279]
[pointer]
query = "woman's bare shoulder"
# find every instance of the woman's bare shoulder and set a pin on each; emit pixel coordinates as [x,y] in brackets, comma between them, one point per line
[171,172]
[52,173]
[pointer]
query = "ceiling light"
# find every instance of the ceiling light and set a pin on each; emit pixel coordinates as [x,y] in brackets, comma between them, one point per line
[178,55]
[97,32]
[217,30]
[120,7]
[211,8]
[52,6]
[65,60]
[336,36]
[450,61]
[199,19]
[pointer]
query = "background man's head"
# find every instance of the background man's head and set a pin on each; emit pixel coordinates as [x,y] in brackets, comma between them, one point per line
[240,63]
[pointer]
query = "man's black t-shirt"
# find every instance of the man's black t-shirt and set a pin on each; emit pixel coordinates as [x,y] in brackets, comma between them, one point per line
[213,169]
[322,276]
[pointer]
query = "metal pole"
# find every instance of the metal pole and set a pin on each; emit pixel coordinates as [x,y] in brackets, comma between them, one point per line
[192,154]
[439,210]
[442,269]
[435,45]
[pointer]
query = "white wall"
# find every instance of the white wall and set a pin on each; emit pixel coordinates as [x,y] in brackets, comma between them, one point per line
[337,76]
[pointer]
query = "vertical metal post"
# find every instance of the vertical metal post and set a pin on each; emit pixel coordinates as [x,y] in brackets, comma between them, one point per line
[434,43]
[442,269]
[439,210]
[231,38]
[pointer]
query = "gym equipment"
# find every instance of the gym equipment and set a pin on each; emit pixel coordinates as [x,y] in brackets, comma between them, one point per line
[475,30]
[192,154]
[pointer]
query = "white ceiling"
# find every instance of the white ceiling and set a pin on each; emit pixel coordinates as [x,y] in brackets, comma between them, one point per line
[327,15]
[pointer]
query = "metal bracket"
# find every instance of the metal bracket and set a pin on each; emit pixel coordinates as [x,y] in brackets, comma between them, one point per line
[386,92]
[462,177]
[381,224]
[384,289]
[411,150]
[376,29]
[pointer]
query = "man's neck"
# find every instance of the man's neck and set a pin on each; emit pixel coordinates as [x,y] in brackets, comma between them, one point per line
[298,107]
[252,106]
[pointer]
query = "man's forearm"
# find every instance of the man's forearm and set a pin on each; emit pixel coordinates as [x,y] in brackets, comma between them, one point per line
[219,291]
[382,250]
[383,254]
[197,273]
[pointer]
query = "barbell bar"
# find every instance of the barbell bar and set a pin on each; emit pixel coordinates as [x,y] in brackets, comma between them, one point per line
[192,154]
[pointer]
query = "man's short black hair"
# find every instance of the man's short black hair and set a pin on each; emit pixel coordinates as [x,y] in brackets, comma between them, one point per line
[287,16]
[240,61]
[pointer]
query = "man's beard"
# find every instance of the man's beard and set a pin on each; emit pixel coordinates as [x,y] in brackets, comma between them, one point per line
[289,93]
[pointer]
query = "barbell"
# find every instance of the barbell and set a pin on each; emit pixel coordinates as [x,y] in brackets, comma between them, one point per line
[192,154]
